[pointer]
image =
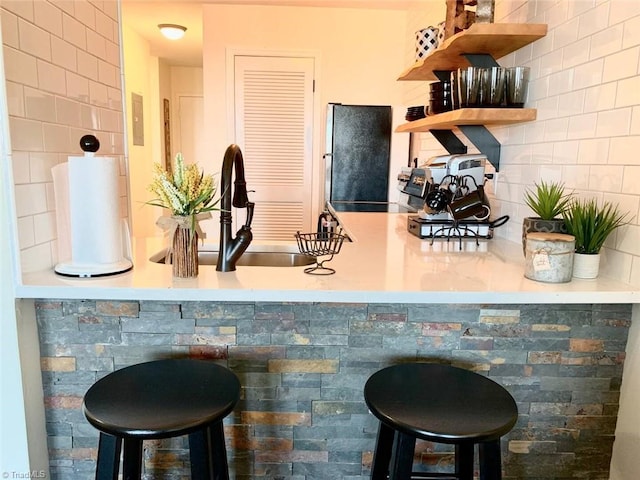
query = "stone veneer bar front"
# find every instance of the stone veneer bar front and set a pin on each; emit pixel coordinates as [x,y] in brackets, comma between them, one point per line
[303,366]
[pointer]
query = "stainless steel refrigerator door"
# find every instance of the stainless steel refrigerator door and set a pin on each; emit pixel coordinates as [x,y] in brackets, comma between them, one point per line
[359,137]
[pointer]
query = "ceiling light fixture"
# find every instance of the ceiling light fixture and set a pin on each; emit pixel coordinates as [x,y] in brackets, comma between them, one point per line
[172,31]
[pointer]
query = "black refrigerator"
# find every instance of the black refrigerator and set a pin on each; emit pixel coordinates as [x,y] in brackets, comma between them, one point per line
[357,158]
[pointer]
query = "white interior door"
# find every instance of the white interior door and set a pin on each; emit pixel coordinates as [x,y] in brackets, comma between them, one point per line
[273,108]
[190,136]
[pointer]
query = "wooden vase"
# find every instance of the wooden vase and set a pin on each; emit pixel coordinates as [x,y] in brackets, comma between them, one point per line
[184,253]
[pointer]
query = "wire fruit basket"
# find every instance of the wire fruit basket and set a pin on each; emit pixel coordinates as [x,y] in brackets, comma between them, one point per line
[320,244]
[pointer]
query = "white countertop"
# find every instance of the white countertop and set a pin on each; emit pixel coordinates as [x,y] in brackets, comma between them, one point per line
[384,264]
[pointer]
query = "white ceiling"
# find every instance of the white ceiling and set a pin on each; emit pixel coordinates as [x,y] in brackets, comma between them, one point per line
[143,16]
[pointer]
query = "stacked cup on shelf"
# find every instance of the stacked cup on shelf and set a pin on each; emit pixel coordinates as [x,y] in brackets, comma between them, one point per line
[492,87]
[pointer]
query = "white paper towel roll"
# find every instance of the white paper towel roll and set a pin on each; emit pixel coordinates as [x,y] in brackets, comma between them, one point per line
[94,210]
[90,232]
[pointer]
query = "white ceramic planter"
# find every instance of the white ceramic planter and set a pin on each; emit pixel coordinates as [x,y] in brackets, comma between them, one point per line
[586,266]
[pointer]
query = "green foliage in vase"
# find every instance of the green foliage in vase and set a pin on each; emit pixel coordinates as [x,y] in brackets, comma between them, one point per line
[591,223]
[549,200]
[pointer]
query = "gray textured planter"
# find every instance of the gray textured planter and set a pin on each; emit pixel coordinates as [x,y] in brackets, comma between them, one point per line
[537,224]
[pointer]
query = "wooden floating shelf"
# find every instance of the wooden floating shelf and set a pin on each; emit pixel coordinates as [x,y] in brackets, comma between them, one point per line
[495,39]
[469,116]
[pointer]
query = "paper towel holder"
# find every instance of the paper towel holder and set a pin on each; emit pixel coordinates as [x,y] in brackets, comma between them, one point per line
[93,240]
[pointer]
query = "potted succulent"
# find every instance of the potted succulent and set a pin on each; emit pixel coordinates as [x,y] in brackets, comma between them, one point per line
[590,223]
[548,201]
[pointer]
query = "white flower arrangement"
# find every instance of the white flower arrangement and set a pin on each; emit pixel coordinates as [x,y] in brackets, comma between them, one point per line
[185,192]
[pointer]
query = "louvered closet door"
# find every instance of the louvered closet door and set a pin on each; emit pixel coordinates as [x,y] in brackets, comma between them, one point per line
[273,121]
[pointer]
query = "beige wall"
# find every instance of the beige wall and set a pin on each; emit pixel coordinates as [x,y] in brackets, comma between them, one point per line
[359,52]
[140,72]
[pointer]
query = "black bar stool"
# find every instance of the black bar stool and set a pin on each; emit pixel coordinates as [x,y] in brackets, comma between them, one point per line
[442,404]
[162,399]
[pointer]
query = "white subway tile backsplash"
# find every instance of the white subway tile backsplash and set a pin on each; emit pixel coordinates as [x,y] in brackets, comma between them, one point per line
[605,178]
[582,126]
[110,120]
[77,87]
[112,54]
[68,6]
[25,134]
[51,78]
[20,67]
[591,21]
[606,42]
[601,97]
[39,105]
[593,151]
[635,121]
[614,123]
[64,54]
[36,258]
[51,51]
[616,265]
[620,65]
[628,92]
[68,112]
[105,25]
[48,17]
[107,74]
[15,99]
[44,226]
[627,240]
[85,13]
[571,103]
[98,94]
[575,177]
[74,32]
[26,233]
[624,150]
[20,164]
[56,138]
[561,82]
[550,63]
[622,10]
[30,199]
[565,34]
[115,98]
[566,152]
[10,35]
[588,74]
[110,9]
[631,35]
[87,65]
[90,117]
[40,165]
[96,44]
[576,53]
[556,129]
[20,8]
[631,180]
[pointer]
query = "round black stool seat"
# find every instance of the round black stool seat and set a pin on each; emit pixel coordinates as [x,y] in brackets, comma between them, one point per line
[161,399]
[442,404]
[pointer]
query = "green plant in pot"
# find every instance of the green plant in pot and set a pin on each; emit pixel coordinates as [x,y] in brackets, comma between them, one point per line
[548,201]
[591,224]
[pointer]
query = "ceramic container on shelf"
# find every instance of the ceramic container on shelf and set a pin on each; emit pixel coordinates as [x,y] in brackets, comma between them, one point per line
[586,265]
[549,257]
[426,42]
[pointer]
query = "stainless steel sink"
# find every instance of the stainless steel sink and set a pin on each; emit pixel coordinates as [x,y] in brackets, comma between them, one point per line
[249,259]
